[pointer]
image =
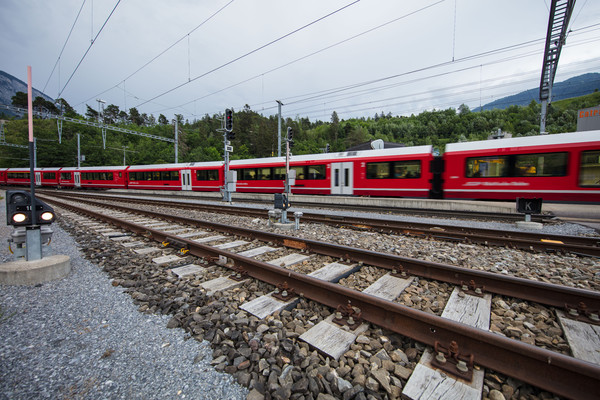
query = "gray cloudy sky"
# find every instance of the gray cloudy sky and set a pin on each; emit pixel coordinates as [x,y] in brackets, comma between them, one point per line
[358,58]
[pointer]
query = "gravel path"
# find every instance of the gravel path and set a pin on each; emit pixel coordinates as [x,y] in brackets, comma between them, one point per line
[82,338]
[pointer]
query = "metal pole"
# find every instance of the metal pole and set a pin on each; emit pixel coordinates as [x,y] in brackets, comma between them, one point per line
[279,104]
[78,151]
[31,146]
[34,152]
[176,140]
[33,233]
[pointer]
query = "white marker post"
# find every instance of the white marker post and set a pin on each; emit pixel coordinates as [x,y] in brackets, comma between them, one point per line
[33,234]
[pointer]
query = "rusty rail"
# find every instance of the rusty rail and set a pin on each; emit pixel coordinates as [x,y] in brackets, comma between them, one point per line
[585,246]
[557,373]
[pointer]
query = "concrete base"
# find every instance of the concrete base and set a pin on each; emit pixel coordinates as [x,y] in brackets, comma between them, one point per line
[529,225]
[288,226]
[33,272]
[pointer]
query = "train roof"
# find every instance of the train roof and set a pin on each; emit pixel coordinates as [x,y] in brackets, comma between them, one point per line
[339,156]
[178,165]
[527,141]
[110,168]
[23,169]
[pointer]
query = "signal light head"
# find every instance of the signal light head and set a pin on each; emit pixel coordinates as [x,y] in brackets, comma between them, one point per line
[229,119]
[19,218]
[47,216]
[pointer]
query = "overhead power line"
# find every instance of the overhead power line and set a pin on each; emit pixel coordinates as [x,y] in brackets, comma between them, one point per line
[315,52]
[250,52]
[89,47]
[159,54]
[63,48]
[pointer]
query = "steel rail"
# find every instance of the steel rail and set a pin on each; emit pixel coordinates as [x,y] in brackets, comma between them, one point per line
[555,372]
[526,289]
[586,246]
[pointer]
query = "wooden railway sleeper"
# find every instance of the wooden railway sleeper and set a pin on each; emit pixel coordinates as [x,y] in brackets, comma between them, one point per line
[581,312]
[449,359]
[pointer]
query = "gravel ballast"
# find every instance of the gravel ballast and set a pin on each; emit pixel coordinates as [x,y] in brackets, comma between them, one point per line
[80,337]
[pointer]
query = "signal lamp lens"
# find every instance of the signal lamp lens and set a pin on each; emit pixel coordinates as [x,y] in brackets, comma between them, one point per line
[47,216]
[19,218]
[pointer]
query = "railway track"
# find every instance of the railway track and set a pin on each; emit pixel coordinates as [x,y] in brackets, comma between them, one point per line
[551,371]
[267,201]
[584,246]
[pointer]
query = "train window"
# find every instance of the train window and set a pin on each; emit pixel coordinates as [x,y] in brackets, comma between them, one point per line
[169,175]
[66,176]
[487,167]
[406,169]
[542,164]
[394,170]
[207,175]
[18,175]
[589,170]
[316,172]
[97,176]
[49,175]
[264,174]
[278,173]
[248,174]
[378,170]
[300,172]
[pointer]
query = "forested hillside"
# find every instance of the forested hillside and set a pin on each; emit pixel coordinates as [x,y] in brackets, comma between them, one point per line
[256,135]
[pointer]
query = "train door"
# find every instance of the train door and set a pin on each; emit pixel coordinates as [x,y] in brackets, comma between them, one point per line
[38,178]
[77,177]
[186,179]
[341,178]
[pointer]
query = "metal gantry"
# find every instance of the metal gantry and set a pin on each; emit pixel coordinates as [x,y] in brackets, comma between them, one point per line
[560,14]
[103,127]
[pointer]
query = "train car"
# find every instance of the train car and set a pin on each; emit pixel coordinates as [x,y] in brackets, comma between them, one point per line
[207,176]
[558,167]
[94,177]
[3,176]
[47,177]
[402,171]
[18,177]
[66,177]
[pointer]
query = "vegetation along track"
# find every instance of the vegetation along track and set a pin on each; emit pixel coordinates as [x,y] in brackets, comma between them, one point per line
[543,368]
[586,246]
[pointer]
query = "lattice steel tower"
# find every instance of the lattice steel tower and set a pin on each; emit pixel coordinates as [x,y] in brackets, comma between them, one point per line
[560,14]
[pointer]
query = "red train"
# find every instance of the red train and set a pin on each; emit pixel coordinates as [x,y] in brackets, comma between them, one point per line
[559,167]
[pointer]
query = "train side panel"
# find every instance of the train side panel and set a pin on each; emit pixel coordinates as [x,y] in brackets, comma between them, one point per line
[101,177]
[66,177]
[400,175]
[559,167]
[156,177]
[47,177]
[3,176]
[207,176]
[18,177]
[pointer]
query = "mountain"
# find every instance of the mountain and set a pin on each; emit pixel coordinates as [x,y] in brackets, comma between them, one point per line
[10,85]
[573,87]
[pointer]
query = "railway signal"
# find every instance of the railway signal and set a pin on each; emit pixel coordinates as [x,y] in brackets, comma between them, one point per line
[19,210]
[230,135]
[290,134]
[229,120]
